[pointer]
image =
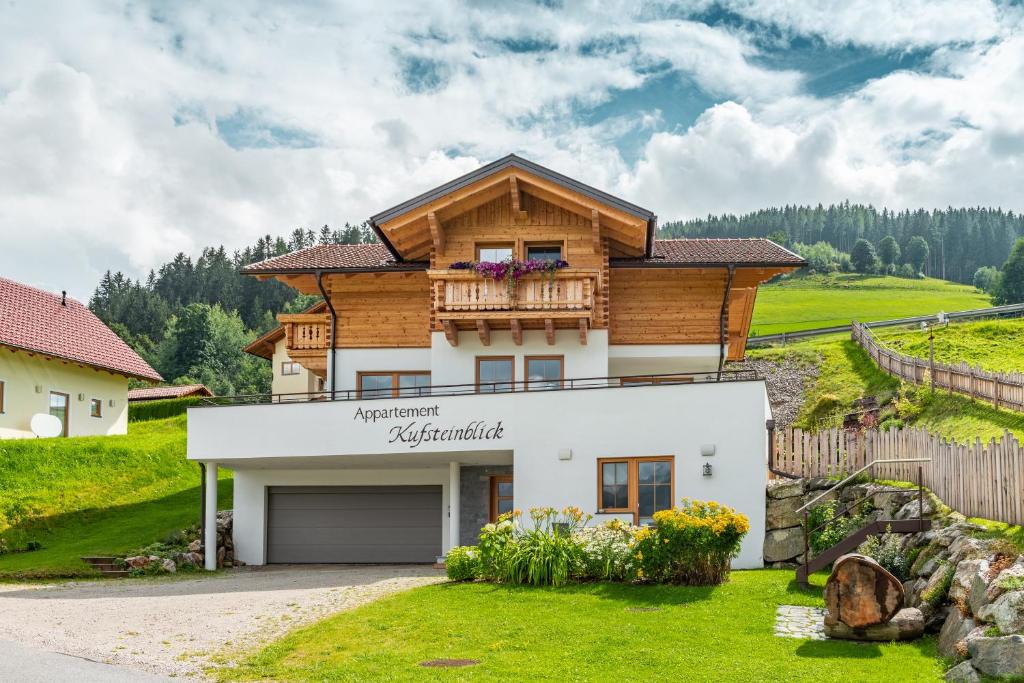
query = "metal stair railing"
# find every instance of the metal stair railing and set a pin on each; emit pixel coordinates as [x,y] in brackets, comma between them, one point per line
[829,555]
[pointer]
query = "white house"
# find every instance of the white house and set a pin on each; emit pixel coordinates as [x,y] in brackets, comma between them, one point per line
[597,379]
[57,358]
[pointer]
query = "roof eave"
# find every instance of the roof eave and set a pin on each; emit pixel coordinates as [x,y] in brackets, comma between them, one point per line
[405,266]
[155,377]
[627,263]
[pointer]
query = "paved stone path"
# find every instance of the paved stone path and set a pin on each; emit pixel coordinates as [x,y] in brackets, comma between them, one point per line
[806,623]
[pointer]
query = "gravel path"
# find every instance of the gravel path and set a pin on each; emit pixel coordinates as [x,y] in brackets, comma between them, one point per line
[175,626]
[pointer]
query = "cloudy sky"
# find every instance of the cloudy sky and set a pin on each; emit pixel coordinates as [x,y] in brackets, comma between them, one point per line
[130,131]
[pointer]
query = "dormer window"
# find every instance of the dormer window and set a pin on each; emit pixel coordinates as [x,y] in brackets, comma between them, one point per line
[493,253]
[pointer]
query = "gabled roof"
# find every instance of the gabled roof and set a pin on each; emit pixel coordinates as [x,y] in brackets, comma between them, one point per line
[41,322]
[352,257]
[701,251]
[157,393]
[263,346]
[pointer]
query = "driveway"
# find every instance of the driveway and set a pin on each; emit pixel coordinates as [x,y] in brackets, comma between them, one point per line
[174,626]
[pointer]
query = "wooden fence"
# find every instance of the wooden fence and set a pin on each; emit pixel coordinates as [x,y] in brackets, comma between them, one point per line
[1004,390]
[978,480]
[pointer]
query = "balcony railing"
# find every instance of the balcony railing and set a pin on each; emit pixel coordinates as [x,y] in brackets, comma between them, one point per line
[568,384]
[569,290]
[306,331]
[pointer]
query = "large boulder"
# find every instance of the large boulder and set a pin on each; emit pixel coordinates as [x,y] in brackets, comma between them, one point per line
[978,593]
[913,510]
[1002,656]
[963,672]
[967,548]
[779,489]
[1007,612]
[783,544]
[781,513]
[955,629]
[1012,574]
[963,578]
[861,593]
[907,624]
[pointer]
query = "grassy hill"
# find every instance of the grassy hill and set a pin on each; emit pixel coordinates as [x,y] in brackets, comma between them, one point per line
[95,495]
[802,303]
[993,344]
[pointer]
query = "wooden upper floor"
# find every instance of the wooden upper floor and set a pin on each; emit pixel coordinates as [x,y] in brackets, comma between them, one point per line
[613,275]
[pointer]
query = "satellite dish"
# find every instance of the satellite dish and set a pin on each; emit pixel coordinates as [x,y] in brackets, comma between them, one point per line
[46,425]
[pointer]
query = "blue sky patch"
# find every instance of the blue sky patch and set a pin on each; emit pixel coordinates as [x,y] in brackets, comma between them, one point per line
[246,129]
[421,74]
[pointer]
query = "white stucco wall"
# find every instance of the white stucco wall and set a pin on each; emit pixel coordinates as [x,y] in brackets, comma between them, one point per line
[652,359]
[302,383]
[22,373]
[350,362]
[671,420]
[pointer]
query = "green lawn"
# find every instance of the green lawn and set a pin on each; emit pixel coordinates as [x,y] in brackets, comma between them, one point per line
[802,303]
[583,633]
[95,495]
[993,344]
[846,373]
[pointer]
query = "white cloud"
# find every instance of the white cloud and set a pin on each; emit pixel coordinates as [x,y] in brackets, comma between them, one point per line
[109,117]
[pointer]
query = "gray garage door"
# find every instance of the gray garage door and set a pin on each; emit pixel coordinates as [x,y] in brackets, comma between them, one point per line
[369,524]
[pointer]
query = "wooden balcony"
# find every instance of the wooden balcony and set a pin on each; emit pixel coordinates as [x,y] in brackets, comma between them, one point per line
[464,300]
[307,338]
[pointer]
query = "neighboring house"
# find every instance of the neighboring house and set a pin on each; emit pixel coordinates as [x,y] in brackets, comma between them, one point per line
[57,357]
[159,393]
[451,397]
[290,380]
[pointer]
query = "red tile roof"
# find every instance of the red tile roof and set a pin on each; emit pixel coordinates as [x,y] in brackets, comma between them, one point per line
[747,251]
[154,393]
[334,257]
[696,251]
[34,320]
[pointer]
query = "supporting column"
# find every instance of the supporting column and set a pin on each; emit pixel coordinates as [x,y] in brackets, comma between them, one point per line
[210,542]
[454,509]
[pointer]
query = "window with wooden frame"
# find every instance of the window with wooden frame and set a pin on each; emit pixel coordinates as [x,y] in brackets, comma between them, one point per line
[495,253]
[501,495]
[661,379]
[495,374]
[95,407]
[638,486]
[544,372]
[543,251]
[393,384]
[290,368]
[60,408]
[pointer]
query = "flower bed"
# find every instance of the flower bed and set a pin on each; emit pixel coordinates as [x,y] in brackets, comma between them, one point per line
[692,544]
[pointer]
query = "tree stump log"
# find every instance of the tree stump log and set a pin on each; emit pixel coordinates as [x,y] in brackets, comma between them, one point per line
[860,593]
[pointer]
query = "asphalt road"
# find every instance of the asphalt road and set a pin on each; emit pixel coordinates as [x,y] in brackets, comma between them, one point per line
[28,665]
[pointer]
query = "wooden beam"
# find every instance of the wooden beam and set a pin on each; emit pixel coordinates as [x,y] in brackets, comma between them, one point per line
[436,233]
[595,229]
[549,331]
[515,193]
[451,333]
[483,328]
[583,331]
[517,331]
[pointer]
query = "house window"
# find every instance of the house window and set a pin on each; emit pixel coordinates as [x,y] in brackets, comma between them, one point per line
[544,372]
[543,252]
[96,407]
[495,253]
[639,486]
[393,384]
[59,409]
[494,374]
[501,495]
[290,368]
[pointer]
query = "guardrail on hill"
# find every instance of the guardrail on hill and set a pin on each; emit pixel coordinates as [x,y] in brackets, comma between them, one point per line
[1007,311]
[1003,389]
[978,480]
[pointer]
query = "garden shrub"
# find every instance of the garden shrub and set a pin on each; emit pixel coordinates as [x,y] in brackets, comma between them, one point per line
[937,595]
[463,563]
[692,544]
[886,550]
[493,539]
[546,555]
[158,410]
[842,526]
[606,551]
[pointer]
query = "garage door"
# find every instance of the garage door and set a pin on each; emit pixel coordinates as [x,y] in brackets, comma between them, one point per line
[359,524]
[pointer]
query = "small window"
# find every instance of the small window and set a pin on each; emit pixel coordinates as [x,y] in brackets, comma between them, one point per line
[501,495]
[543,252]
[544,372]
[494,374]
[96,407]
[393,384]
[640,486]
[290,368]
[494,253]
